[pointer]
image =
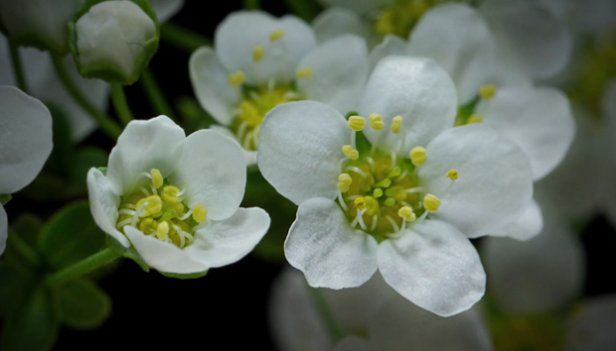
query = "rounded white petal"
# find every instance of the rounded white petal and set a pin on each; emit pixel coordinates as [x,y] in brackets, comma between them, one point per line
[211,84]
[25,138]
[165,9]
[495,183]
[457,38]
[435,266]
[220,243]
[592,327]
[526,225]
[538,120]
[143,145]
[390,46]
[249,156]
[337,21]
[162,256]
[4,226]
[416,89]
[538,275]
[352,343]
[240,32]
[104,203]
[212,170]
[323,245]
[300,149]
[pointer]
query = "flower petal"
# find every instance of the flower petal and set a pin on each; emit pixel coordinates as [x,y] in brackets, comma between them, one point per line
[4,226]
[322,244]
[339,71]
[249,155]
[241,31]
[143,145]
[390,46]
[352,343]
[25,138]
[337,21]
[538,120]
[416,89]
[300,149]
[210,82]
[495,181]
[526,225]
[163,256]
[224,242]
[592,327]
[165,9]
[212,170]
[464,47]
[104,203]
[434,266]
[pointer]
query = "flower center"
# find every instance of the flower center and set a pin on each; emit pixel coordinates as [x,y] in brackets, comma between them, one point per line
[159,210]
[401,16]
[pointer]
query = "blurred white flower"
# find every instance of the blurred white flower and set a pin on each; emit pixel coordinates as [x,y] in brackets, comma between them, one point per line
[260,61]
[176,198]
[165,9]
[408,203]
[370,318]
[25,144]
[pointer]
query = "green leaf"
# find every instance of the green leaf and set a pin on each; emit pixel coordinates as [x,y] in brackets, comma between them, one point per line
[83,305]
[84,159]
[70,236]
[13,286]
[28,227]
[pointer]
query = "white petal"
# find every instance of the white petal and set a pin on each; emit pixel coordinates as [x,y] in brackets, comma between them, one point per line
[210,82]
[212,170]
[434,266]
[390,46]
[162,256]
[4,224]
[25,138]
[339,71]
[592,327]
[526,225]
[416,89]
[538,120]
[455,36]
[224,242]
[300,149]
[530,35]
[495,181]
[537,275]
[352,343]
[104,202]
[249,156]
[238,34]
[322,244]
[337,21]
[143,145]
[165,9]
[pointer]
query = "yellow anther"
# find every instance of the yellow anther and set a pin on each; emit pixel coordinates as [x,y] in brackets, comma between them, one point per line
[418,155]
[360,203]
[431,203]
[376,121]
[257,53]
[396,124]
[237,78]
[406,213]
[377,193]
[390,201]
[171,194]
[385,183]
[350,152]
[150,205]
[356,123]
[162,230]
[148,226]
[475,118]
[157,178]
[486,92]
[276,34]
[304,72]
[452,174]
[344,182]
[199,213]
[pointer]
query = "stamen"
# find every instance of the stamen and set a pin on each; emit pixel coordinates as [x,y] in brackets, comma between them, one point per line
[237,78]
[431,203]
[304,72]
[393,223]
[257,53]
[396,124]
[418,155]
[199,213]
[276,35]
[452,174]
[157,178]
[376,121]
[356,123]
[162,231]
[475,118]
[350,152]
[344,182]
[487,91]
[406,213]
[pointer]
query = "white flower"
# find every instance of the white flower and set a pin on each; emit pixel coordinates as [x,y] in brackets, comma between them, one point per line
[114,40]
[25,144]
[176,199]
[368,318]
[408,203]
[165,9]
[260,61]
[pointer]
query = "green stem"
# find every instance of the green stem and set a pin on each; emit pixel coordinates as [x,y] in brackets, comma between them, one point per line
[154,94]
[18,69]
[252,4]
[24,250]
[83,267]
[182,38]
[107,125]
[120,104]
[326,314]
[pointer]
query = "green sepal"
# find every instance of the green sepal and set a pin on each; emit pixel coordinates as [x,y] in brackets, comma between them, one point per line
[82,304]
[5,198]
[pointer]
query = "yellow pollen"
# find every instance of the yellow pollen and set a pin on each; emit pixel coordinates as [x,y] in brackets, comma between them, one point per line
[150,205]
[431,203]
[452,174]
[237,78]
[376,121]
[360,203]
[162,230]
[344,182]
[356,123]
[304,72]
[157,178]
[199,213]
[350,152]
[406,213]
[276,34]
[396,124]
[148,226]
[475,118]
[486,92]
[418,155]
[170,194]
[257,53]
